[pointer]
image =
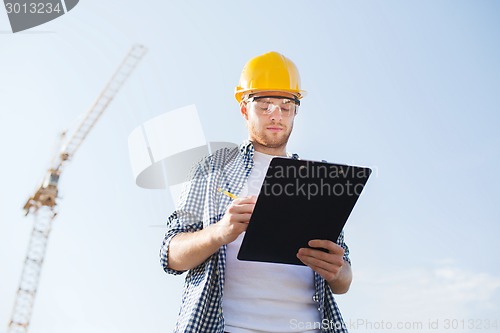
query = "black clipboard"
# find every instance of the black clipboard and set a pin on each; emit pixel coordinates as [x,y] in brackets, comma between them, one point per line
[300,200]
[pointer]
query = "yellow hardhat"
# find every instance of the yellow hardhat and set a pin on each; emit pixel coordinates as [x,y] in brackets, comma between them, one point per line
[270,71]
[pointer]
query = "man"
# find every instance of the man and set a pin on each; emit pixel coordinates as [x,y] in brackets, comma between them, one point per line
[221,293]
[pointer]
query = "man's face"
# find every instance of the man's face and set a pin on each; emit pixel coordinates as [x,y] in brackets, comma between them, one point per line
[269,119]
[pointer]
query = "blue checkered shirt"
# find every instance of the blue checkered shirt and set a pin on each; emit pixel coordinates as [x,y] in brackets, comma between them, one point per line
[201,205]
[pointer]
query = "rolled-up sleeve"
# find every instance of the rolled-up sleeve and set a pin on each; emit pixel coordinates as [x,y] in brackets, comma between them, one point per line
[340,241]
[328,306]
[189,213]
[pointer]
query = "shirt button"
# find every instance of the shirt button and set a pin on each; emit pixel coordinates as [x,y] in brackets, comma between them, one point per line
[315,298]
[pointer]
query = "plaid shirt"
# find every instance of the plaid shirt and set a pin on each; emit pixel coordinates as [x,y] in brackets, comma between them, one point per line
[201,205]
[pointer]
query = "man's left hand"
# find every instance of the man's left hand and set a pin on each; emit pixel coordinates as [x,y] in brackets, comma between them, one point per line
[327,264]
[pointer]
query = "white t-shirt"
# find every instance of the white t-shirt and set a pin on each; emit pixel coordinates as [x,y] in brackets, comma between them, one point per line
[266,297]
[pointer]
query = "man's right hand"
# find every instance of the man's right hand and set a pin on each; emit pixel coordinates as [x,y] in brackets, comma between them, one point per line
[235,220]
[189,249]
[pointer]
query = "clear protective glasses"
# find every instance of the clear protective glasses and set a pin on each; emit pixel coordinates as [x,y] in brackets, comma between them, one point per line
[266,105]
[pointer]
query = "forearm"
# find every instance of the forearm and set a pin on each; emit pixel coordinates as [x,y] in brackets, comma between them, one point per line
[341,284]
[190,249]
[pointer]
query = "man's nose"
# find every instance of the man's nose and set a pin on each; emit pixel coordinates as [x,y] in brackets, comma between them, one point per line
[276,112]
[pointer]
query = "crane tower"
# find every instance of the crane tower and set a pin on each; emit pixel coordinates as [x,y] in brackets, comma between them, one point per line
[42,204]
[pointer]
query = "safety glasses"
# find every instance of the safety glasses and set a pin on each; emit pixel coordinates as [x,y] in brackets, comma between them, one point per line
[266,105]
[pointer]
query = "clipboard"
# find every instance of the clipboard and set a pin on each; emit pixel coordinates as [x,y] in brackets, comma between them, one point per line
[300,200]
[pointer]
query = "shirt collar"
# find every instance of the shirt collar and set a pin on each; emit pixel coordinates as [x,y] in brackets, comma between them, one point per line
[247,150]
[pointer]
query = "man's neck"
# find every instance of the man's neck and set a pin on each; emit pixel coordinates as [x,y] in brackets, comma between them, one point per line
[278,151]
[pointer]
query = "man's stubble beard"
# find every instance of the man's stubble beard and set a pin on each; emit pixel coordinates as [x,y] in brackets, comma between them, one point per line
[267,140]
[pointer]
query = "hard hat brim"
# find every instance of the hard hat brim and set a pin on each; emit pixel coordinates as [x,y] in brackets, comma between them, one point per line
[239,93]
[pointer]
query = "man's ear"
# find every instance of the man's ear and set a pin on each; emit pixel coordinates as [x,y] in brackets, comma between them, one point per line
[244,110]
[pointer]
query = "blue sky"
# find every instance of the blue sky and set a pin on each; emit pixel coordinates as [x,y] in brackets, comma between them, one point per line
[409,88]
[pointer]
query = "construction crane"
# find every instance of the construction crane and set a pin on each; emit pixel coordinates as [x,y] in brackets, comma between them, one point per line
[42,204]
